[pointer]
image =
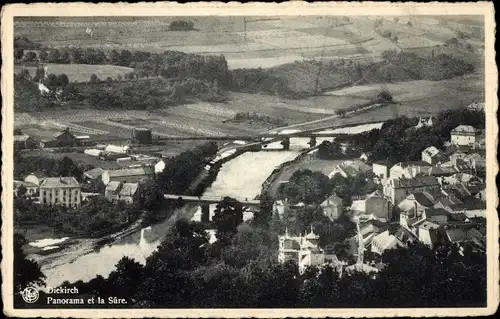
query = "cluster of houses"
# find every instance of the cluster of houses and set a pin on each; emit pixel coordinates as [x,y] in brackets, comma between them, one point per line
[121,185]
[440,198]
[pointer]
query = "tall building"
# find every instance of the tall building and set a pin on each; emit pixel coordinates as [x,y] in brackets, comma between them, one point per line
[63,191]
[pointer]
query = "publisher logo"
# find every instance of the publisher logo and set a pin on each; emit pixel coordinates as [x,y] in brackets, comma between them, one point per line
[30,294]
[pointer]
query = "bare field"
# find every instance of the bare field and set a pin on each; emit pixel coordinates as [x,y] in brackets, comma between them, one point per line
[80,72]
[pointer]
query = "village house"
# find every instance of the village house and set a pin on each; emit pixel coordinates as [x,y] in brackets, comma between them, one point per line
[93,175]
[427,232]
[385,241]
[408,169]
[374,206]
[23,141]
[127,192]
[63,191]
[418,201]
[464,135]
[160,166]
[350,169]
[128,175]
[305,251]
[476,106]
[466,235]
[476,161]
[63,138]
[433,156]
[381,169]
[117,149]
[398,188]
[332,207]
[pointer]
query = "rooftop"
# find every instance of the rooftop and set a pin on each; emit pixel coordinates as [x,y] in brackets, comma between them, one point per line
[418,181]
[94,173]
[129,189]
[332,200]
[55,182]
[131,172]
[467,129]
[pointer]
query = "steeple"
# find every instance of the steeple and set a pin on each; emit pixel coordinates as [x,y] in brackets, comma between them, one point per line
[361,245]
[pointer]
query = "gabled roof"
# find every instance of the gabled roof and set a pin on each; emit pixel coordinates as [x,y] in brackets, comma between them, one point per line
[333,200]
[62,182]
[60,133]
[418,181]
[129,189]
[131,172]
[386,240]
[431,212]
[466,129]
[113,186]
[432,151]
[94,173]
[423,198]
[412,164]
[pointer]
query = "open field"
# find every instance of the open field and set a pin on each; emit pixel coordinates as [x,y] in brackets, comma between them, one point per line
[269,41]
[80,72]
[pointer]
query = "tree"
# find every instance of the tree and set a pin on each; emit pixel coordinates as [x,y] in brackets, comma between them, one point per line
[94,79]
[21,191]
[18,54]
[265,213]
[26,271]
[109,81]
[30,56]
[126,278]
[228,215]
[63,80]
[43,56]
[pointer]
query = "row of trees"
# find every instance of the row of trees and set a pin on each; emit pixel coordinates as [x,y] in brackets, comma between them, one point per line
[179,176]
[65,166]
[187,271]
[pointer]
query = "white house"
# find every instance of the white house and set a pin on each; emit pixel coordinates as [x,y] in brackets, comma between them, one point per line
[385,241]
[464,135]
[63,191]
[160,166]
[432,155]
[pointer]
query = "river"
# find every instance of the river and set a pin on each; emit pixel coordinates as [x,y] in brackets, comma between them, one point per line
[240,177]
